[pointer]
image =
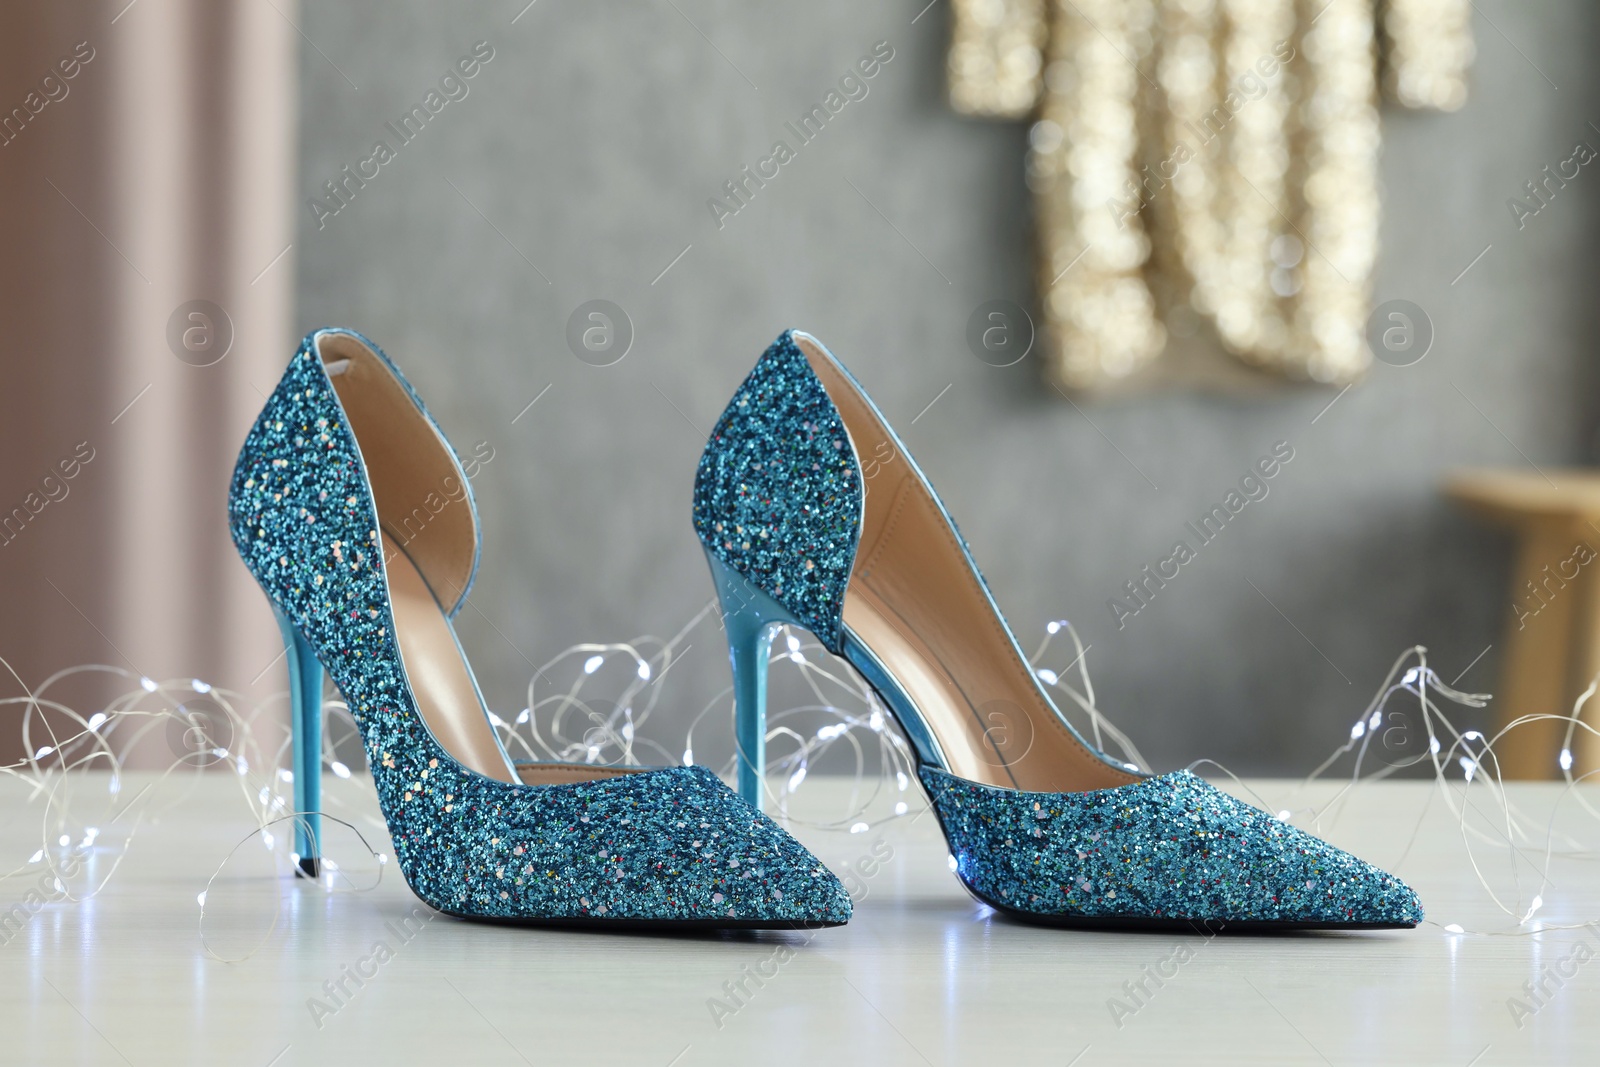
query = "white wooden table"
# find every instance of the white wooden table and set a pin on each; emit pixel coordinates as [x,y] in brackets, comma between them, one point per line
[922,975]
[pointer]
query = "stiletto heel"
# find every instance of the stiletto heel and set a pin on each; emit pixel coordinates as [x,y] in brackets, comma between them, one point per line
[749,618]
[356,518]
[1040,824]
[305,720]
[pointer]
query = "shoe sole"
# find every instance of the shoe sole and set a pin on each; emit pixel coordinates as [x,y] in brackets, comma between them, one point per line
[656,926]
[1149,924]
[1156,925]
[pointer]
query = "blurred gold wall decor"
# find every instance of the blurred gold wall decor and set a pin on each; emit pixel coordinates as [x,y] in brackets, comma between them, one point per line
[1204,161]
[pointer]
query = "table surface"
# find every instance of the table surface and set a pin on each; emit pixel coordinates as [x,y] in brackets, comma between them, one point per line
[921,975]
[1520,494]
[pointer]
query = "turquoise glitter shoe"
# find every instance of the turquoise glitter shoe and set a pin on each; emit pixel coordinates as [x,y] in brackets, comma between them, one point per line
[354,514]
[813,514]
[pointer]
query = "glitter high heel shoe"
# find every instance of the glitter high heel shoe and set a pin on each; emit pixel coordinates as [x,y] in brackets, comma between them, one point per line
[354,514]
[1041,826]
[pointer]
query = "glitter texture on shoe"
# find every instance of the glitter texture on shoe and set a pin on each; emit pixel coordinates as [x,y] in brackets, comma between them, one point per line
[779,499]
[778,493]
[671,845]
[1171,847]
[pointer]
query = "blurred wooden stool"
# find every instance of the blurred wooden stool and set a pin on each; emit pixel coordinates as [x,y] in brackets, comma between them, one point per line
[1552,645]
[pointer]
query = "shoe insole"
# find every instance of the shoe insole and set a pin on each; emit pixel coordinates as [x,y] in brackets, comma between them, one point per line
[914,600]
[446,695]
[429,540]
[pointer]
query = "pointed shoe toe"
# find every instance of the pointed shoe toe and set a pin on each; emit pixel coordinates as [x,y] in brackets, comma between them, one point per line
[1167,851]
[1041,824]
[673,847]
[356,517]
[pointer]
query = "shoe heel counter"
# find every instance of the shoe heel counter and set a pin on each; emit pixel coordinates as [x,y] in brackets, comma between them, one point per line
[299,509]
[777,494]
[256,462]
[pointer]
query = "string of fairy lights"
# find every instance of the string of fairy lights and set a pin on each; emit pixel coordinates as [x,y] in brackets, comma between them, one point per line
[597,703]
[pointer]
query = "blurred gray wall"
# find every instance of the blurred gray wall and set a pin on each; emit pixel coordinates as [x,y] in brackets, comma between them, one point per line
[578,167]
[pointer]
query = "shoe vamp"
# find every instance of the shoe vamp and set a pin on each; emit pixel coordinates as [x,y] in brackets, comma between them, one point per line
[1173,846]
